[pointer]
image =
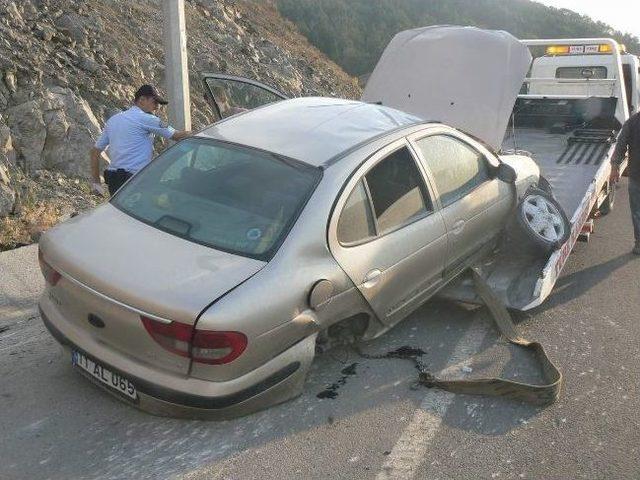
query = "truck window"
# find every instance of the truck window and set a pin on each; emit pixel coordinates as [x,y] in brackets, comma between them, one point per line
[581,72]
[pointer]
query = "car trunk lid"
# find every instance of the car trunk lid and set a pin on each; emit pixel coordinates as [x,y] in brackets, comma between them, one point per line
[118,269]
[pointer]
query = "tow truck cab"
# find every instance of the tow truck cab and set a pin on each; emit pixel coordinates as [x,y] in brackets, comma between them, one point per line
[563,65]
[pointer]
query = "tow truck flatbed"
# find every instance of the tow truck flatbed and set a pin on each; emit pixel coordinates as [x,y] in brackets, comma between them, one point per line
[571,134]
[569,167]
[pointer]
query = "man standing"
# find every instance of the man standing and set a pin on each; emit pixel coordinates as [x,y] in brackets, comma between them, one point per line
[129,138]
[629,140]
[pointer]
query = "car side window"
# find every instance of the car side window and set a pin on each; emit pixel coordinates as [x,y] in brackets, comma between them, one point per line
[356,222]
[457,168]
[232,96]
[397,190]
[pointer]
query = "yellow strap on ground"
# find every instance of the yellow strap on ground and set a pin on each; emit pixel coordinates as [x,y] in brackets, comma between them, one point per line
[542,394]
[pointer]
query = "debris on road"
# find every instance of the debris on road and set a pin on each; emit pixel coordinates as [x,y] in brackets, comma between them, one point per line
[543,394]
[331,391]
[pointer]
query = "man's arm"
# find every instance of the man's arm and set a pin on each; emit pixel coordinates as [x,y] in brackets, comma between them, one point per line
[154,125]
[620,151]
[95,154]
[180,134]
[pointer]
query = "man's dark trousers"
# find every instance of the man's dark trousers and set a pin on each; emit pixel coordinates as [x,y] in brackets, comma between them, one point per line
[115,179]
[634,203]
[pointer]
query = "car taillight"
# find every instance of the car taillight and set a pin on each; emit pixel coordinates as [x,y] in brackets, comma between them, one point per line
[174,336]
[48,272]
[203,346]
[216,348]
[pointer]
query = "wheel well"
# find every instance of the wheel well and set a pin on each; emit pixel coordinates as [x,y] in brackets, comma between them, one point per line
[544,185]
[343,332]
[356,324]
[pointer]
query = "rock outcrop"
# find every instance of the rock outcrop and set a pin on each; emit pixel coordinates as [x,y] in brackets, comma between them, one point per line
[7,165]
[71,127]
[68,65]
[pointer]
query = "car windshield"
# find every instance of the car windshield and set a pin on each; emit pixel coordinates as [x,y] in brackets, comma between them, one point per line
[231,198]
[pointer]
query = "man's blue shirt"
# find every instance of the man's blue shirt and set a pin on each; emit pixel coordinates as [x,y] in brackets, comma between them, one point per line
[129,135]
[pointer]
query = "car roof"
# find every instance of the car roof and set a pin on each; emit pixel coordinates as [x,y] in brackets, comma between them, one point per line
[312,129]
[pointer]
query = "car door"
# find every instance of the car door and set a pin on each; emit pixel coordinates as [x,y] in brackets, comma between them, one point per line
[229,95]
[387,235]
[474,203]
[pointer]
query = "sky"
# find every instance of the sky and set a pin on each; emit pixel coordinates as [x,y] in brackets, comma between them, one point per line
[623,15]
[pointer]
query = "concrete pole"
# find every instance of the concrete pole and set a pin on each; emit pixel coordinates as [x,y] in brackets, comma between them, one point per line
[176,70]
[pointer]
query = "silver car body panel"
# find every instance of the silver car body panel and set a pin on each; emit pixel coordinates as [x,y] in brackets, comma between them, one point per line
[143,267]
[413,262]
[311,129]
[461,76]
[70,305]
[185,395]
[395,272]
[527,171]
[478,217]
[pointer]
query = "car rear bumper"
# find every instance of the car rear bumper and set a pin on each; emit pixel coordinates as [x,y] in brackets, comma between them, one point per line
[169,394]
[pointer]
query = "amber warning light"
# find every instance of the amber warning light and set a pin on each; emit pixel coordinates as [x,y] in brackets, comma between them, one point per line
[581,49]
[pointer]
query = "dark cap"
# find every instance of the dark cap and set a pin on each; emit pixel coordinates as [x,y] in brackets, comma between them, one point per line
[149,91]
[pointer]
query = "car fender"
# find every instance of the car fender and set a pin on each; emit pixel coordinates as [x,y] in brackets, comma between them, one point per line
[527,171]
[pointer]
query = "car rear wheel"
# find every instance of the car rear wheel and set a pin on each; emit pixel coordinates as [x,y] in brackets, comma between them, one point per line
[540,223]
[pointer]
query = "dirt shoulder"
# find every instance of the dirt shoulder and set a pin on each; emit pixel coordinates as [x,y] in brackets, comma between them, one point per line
[44,200]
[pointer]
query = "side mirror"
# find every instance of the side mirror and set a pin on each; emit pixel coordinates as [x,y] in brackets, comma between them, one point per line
[506,173]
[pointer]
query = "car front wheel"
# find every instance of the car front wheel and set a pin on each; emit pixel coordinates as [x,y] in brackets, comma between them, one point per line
[540,222]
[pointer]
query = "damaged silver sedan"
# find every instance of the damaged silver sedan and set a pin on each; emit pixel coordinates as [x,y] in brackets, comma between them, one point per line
[204,287]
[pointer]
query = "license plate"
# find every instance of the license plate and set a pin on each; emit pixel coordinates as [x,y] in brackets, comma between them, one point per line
[104,375]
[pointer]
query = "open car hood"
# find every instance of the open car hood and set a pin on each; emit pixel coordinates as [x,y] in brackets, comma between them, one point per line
[465,77]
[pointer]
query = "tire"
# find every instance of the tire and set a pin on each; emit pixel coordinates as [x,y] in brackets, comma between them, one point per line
[540,224]
[609,201]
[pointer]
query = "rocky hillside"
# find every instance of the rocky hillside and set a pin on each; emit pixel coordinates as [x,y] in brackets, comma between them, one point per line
[67,65]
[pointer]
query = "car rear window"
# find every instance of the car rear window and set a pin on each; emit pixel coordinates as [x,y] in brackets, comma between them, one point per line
[231,198]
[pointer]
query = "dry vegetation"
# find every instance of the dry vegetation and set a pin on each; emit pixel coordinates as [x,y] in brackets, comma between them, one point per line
[45,200]
[19,230]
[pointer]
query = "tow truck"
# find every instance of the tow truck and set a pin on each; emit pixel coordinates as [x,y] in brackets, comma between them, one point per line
[574,100]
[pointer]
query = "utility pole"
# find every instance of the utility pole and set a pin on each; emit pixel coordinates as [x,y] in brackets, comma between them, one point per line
[176,69]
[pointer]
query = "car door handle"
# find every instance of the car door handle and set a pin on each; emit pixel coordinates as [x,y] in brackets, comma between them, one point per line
[371,278]
[458,227]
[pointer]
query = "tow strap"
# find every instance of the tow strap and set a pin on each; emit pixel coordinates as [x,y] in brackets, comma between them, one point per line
[537,394]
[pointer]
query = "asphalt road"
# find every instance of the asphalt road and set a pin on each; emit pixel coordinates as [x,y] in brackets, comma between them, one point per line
[56,425]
